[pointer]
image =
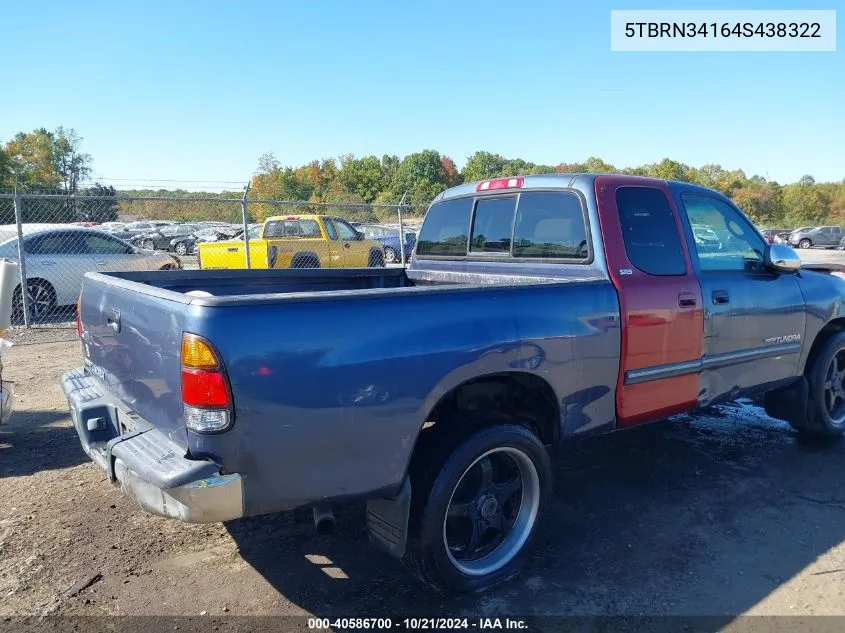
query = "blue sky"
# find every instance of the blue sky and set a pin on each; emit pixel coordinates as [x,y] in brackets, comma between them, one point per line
[197,91]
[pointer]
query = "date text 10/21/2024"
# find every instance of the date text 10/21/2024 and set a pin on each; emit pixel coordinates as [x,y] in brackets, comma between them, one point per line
[417,624]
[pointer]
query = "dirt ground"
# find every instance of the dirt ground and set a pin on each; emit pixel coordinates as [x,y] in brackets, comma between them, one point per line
[725,514]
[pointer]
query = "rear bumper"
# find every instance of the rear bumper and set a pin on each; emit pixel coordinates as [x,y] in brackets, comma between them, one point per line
[146,464]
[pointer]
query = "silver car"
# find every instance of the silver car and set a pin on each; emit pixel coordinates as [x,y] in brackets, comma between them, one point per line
[58,256]
[827,236]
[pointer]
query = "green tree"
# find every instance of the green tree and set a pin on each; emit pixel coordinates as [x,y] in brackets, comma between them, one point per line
[100,210]
[421,175]
[669,169]
[6,178]
[482,166]
[30,156]
[805,203]
[69,162]
[595,165]
[363,176]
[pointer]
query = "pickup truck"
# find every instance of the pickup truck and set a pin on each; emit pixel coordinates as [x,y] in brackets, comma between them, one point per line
[296,241]
[535,310]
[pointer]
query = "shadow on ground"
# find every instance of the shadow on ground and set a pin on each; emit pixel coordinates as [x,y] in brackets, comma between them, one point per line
[32,441]
[704,516]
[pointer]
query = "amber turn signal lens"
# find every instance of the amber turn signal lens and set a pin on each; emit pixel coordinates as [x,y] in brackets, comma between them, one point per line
[196,353]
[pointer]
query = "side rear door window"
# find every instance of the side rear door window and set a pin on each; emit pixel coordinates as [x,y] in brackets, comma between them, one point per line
[347,233]
[649,231]
[331,231]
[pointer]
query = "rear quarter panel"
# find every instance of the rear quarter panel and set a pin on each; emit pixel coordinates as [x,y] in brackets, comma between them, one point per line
[230,254]
[330,396]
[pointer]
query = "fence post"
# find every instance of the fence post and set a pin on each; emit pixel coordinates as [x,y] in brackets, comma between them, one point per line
[246,224]
[21,260]
[402,229]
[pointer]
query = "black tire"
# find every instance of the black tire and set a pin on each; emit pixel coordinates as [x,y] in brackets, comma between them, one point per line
[390,256]
[376,260]
[826,400]
[437,475]
[42,301]
[805,243]
[307,260]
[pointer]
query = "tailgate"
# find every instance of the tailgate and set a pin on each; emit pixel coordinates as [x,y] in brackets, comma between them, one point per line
[131,342]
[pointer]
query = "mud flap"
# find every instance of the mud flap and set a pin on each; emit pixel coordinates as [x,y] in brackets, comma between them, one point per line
[788,403]
[387,521]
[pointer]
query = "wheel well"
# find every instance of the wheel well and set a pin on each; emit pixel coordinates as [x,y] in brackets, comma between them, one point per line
[831,328]
[36,280]
[520,397]
[306,256]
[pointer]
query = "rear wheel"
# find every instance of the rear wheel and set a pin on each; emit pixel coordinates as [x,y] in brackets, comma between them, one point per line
[390,256]
[475,518]
[825,415]
[41,299]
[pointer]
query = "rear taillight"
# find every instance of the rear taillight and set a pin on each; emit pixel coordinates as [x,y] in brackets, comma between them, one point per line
[499,183]
[205,393]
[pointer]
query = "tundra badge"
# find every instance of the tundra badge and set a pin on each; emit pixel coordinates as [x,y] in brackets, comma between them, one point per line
[789,338]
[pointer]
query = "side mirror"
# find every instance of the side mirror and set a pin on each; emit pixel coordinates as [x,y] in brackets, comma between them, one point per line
[782,258]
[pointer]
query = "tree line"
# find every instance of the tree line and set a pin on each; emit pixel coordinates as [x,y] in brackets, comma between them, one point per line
[52,162]
[43,161]
[424,174]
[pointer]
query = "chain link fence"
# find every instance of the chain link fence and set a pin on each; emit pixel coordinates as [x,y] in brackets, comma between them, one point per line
[56,239]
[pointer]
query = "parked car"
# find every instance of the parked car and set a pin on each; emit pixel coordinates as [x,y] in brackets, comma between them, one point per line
[827,236]
[389,238]
[187,244]
[132,229]
[568,310]
[772,235]
[296,241]
[706,238]
[111,226]
[57,258]
[162,238]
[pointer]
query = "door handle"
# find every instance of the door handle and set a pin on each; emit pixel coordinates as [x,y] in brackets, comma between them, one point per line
[687,300]
[113,319]
[720,297]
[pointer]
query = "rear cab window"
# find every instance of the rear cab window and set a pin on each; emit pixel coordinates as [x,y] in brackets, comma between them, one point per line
[528,225]
[291,228]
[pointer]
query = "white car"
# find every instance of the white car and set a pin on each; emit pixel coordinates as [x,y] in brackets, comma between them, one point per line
[58,256]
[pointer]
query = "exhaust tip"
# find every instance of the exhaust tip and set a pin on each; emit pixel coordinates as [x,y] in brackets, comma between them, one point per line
[324,520]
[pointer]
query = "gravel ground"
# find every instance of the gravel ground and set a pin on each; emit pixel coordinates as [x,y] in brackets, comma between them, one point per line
[727,513]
